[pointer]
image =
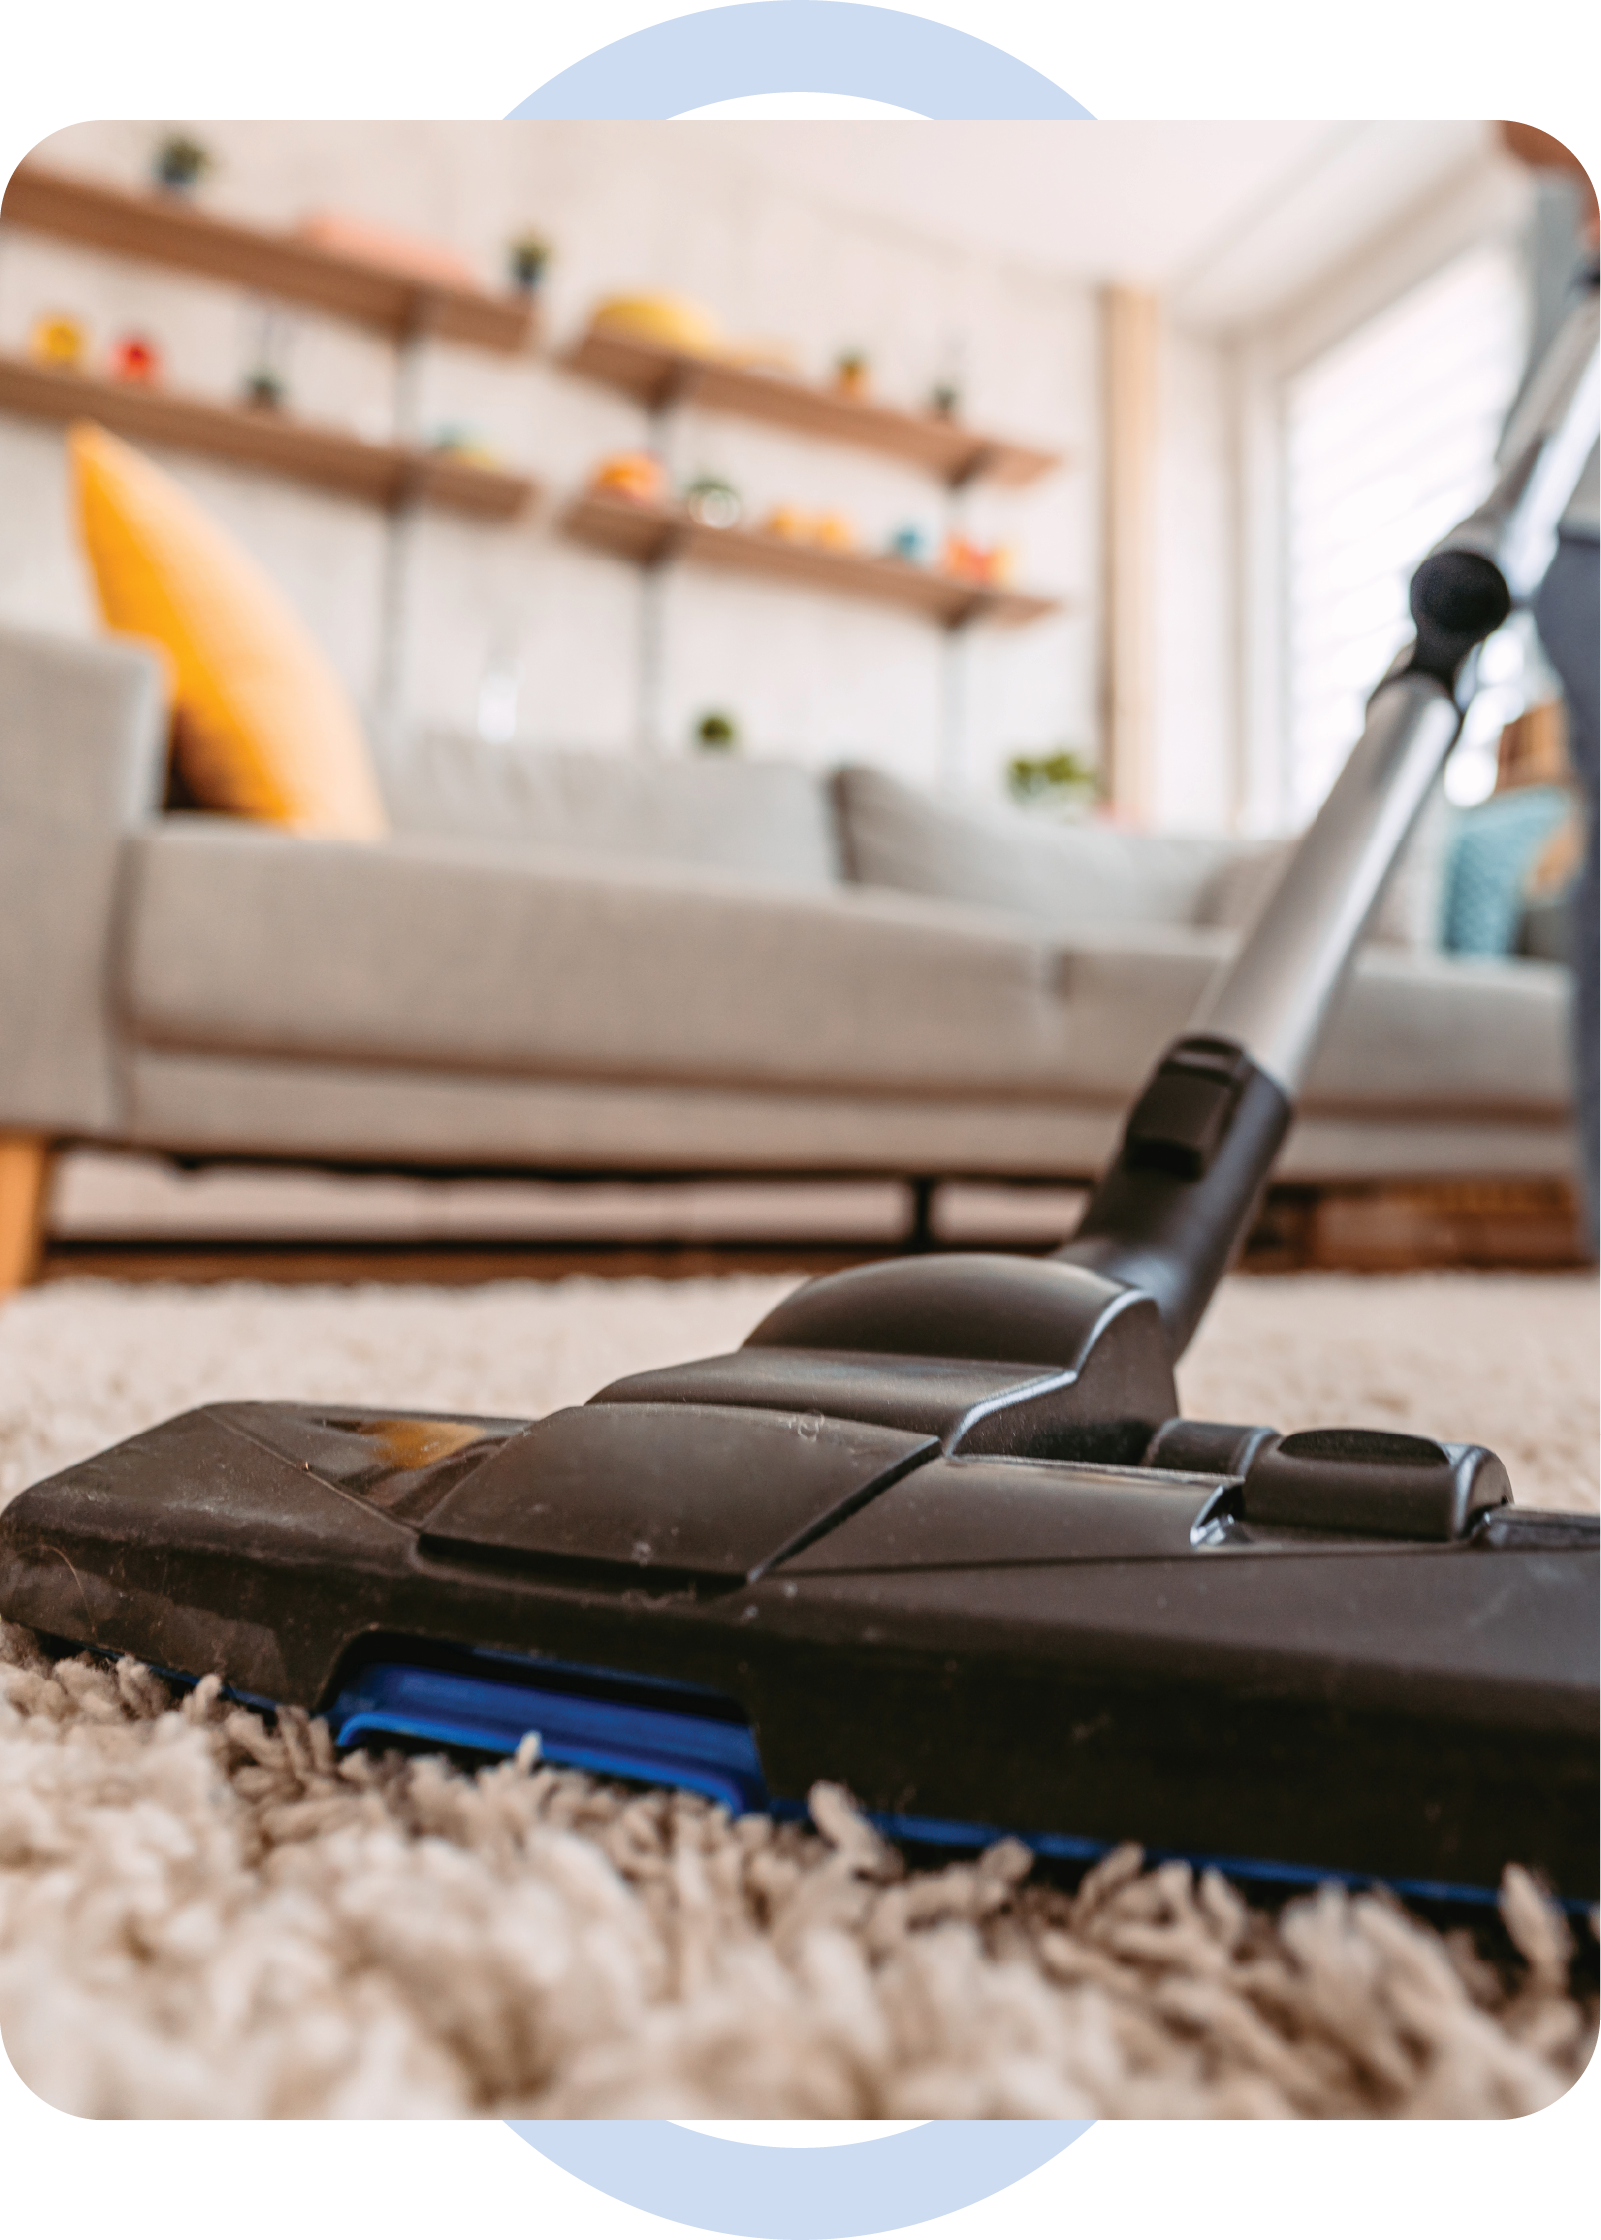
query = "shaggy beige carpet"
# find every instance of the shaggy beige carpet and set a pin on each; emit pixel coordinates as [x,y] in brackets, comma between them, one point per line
[199,1916]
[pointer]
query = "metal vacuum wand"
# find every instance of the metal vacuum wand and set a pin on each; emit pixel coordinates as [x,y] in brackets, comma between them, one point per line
[1178,1199]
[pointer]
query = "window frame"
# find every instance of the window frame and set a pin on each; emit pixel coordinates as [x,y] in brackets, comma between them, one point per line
[1486,206]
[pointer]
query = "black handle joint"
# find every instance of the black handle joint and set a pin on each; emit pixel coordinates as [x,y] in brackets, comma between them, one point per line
[1177,1202]
[1457,599]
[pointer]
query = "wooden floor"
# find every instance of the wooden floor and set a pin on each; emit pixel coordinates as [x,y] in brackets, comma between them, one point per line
[1396,1226]
[450,1260]
[1528,1225]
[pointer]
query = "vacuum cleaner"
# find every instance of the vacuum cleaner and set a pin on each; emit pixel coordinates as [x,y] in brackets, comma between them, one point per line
[938,1531]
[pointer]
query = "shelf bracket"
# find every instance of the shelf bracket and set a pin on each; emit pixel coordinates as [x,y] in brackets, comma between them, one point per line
[394,590]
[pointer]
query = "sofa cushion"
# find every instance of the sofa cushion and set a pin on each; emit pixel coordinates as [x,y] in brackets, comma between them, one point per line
[262,727]
[452,955]
[766,820]
[457,954]
[1055,875]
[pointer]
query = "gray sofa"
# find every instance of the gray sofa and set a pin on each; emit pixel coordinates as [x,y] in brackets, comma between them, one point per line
[567,963]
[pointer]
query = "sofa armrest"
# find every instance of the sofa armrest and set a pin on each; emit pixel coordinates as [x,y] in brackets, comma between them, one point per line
[82,756]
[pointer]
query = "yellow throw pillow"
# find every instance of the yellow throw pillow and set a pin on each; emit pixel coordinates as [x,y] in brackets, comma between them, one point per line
[262,726]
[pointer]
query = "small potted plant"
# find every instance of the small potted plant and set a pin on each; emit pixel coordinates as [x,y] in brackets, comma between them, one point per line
[265,381]
[182,162]
[265,389]
[713,501]
[1062,780]
[853,373]
[526,259]
[717,733]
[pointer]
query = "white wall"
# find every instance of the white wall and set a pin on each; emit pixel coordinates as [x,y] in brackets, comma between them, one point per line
[658,206]
[1195,694]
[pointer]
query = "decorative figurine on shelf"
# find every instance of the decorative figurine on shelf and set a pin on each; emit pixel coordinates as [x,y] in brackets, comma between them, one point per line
[835,532]
[635,475]
[853,373]
[526,259]
[414,256]
[1062,779]
[135,357]
[671,322]
[908,543]
[978,563]
[945,400]
[717,733]
[58,340]
[181,162]
[453,441]
[713,502]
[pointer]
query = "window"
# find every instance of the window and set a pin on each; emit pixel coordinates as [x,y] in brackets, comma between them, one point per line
[1390,439]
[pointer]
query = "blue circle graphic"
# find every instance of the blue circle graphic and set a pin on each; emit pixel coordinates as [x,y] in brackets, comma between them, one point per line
[800,2193]
[800,46]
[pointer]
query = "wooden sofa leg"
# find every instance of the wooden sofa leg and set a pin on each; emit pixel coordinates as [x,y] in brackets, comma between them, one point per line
[25,1163]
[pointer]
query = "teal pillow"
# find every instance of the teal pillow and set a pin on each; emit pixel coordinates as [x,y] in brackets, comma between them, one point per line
[1491,855]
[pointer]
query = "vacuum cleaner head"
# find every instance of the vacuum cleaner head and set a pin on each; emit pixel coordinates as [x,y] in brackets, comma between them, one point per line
[996,1586]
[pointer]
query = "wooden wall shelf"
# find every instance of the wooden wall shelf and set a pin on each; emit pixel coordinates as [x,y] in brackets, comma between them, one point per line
[651,535]
[163,229]
[382,474]
[657,377]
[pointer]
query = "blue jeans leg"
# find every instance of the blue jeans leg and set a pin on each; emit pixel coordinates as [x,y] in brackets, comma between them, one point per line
[1568,617]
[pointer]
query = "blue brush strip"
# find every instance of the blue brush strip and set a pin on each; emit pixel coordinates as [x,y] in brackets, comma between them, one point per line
[639,1741]
[627,1736]
[711,1751]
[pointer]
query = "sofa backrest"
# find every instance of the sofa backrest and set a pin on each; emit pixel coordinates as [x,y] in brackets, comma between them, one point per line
[1064,876]
[1411,911]
[768,821]
[781,825]
[1056,875]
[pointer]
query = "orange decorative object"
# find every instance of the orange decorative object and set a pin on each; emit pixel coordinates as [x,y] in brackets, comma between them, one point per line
[57,340]
[978,563]
[835,531]
[639,475]
[789,523]
[465,444]
[671,322]
[412,255]
[136,358]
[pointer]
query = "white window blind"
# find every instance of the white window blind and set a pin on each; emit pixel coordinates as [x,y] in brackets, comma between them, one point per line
[1390,439]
